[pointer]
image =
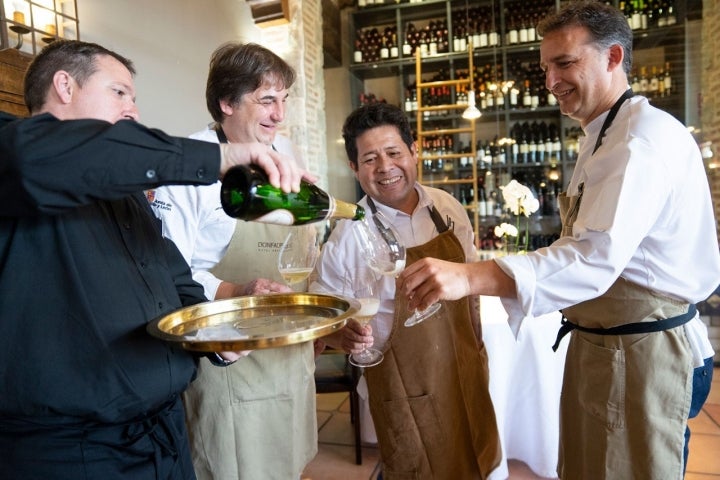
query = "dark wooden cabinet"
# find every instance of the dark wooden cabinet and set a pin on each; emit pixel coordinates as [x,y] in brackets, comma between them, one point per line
[12,70]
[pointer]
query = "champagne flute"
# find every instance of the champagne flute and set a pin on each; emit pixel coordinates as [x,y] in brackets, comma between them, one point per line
[386,255]
[298,255]
[363,286]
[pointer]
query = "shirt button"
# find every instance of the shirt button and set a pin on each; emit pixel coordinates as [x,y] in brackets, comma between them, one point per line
[160,305]
[150,174]
[200,173]
[127,226]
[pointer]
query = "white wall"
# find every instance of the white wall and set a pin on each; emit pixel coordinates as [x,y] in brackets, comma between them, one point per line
[170,42]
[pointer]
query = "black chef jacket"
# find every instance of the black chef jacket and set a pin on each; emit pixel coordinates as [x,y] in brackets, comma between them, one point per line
[83,268]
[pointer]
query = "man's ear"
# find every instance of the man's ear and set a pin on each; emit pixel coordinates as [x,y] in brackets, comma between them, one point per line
[616,54]
[63,86]
[353,166]
[226,107]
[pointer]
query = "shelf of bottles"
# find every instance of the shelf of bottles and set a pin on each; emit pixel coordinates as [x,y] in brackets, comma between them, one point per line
[521,135]
[29,25]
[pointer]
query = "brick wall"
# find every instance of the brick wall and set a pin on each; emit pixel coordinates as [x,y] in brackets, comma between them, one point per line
[300,44]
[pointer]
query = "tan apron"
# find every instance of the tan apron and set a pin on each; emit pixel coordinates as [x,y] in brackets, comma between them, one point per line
[625,398]
[255,419]
[429,397]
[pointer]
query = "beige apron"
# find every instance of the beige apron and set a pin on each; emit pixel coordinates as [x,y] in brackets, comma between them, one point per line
[255,419]
[429,397]
[625,398]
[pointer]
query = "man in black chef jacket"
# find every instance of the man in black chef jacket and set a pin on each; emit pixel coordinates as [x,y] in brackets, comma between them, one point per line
[85,392]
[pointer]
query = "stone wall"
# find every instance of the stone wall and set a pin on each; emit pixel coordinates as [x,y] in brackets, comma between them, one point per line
[300,44]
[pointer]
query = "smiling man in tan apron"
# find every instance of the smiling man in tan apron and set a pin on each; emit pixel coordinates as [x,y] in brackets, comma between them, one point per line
[244,418]
[638,250]
[429,398]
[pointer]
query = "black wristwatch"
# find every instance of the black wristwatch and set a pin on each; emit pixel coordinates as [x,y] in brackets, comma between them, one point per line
[219,361]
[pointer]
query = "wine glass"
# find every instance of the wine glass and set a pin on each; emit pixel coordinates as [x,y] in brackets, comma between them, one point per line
[298,255]
[382,249]
[363,285]
[386,255]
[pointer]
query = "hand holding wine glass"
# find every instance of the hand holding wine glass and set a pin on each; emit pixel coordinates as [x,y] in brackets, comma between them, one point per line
[362,285]
[298,255]
[386,255]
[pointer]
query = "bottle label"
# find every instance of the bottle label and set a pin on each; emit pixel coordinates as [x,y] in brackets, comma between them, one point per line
[277,217]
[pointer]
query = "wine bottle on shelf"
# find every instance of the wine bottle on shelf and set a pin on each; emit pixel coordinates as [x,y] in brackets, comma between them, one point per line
[394,46]
[667,80]
[523,32]
[654,85]
[482,201]
[247,194]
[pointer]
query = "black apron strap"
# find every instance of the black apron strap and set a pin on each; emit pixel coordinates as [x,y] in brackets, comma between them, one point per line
[628,328]
[222,138]
[611,116]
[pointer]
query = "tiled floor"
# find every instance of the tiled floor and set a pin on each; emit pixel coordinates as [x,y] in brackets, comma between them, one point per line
[336,453]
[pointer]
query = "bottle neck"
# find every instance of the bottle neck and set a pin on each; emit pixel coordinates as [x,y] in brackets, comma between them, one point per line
[341,209]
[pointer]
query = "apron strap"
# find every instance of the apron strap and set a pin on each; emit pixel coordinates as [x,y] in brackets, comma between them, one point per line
[434,214]
[611,116]
[627,329]
[222,138]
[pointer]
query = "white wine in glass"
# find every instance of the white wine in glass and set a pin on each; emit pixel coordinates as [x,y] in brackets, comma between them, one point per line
[293,276]
[363,286]
[298,255]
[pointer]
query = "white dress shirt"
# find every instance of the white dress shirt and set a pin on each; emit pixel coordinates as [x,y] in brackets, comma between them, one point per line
[646,215]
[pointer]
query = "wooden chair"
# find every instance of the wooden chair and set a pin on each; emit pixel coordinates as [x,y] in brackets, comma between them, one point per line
[333,374]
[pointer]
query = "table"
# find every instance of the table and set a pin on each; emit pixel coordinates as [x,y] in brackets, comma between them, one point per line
[525,383]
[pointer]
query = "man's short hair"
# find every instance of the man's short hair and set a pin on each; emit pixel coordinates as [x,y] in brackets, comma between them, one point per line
[372,116]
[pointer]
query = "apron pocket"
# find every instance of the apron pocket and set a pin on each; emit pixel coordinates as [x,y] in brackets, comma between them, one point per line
[601,382]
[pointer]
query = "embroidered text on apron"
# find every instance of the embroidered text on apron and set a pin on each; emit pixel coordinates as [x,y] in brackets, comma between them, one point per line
[626,386]
[429,397]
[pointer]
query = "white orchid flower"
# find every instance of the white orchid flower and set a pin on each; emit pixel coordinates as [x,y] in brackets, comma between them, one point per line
[529,205]
[506,229]
[519,198]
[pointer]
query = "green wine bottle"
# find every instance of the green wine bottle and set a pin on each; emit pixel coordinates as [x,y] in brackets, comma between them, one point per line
[247,194]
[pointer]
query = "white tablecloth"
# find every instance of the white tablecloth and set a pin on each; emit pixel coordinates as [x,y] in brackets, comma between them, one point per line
[525,382]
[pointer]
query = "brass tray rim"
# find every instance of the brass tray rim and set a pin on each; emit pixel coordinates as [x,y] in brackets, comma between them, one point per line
[158,326]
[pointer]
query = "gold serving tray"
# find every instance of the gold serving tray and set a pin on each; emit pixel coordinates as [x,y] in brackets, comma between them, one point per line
[254,321]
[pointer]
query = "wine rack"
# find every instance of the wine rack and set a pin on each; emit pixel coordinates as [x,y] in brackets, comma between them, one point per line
[435,145]
[426,56]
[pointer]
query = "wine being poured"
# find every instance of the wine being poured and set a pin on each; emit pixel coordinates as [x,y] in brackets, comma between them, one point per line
[298,255]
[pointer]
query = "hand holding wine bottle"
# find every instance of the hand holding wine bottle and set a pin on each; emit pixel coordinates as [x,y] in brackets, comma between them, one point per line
[281,173]
[247,194]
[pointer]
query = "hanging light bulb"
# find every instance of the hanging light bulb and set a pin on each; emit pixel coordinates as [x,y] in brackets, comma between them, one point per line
[471,112]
